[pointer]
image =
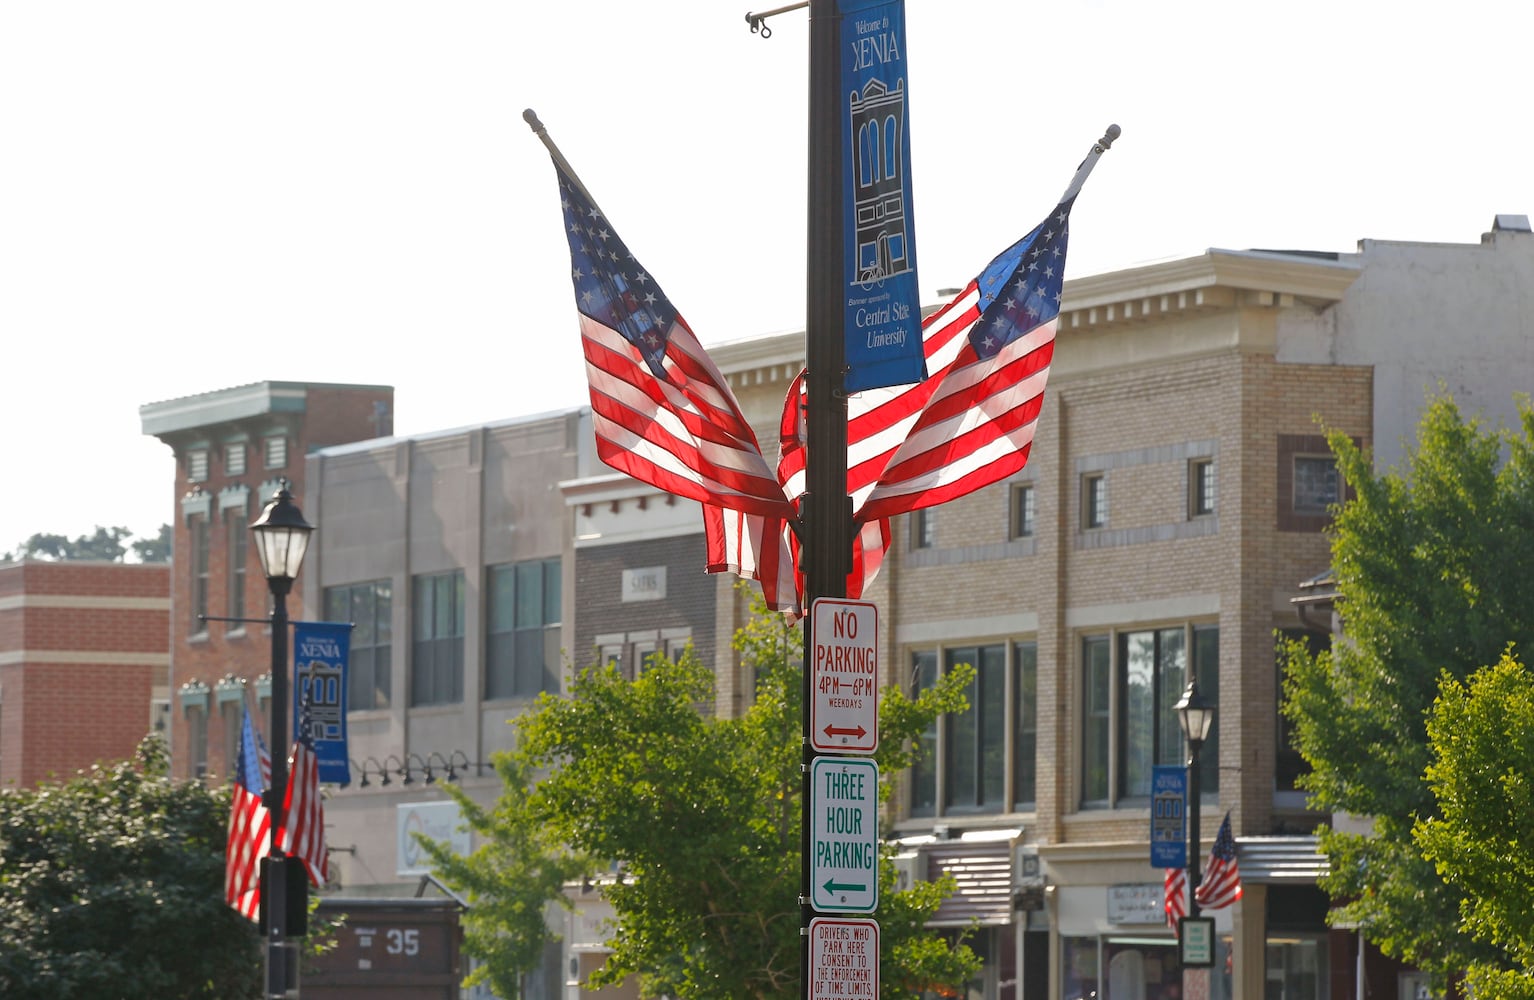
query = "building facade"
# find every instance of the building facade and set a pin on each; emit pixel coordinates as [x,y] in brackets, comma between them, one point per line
[83,661]
[233,448]
[1177,496]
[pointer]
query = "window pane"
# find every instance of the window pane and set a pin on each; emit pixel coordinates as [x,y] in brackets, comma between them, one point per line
[1206,662]
[1138,727]
[1025,686]
[529,595]
[961,767]
[1098,686]
[502,598]
[924,770]
[1316,484]
[993,726]
[1172,667]
[552,581]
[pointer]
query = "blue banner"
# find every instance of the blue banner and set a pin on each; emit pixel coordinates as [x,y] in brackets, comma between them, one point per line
[883,304]
[1169,831]
[320,652]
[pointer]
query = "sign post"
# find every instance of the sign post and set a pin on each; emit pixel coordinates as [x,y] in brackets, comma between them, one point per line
[844,712]
[844,818]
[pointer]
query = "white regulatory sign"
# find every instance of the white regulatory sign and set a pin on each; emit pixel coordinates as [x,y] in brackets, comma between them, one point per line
[844,959]
[844,677]
[844,834]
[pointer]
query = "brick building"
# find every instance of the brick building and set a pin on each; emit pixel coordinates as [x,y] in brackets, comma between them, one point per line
[233,447]
[84,648]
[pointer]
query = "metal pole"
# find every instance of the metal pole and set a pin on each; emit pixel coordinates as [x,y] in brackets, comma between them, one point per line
[825,508]
[275,892]
[1194,793]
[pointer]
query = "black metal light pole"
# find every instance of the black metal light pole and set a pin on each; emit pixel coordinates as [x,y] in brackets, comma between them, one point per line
[1195,715]
[282,539]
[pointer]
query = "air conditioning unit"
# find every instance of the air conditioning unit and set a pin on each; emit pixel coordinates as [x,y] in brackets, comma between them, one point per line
[910,868]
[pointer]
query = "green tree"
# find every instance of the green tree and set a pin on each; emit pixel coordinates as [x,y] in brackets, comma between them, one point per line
[156,549]
[689,824]
[105,544]
[1432,565]
[1482,841]
[111,885]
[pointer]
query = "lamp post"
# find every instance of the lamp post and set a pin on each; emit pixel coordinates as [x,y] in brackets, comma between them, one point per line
[1195,715]
[282,538]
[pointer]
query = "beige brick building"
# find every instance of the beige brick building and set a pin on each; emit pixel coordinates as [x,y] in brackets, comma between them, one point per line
[1175,500]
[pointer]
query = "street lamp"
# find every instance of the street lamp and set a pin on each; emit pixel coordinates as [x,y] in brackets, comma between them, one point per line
[1195,715]
[282,538]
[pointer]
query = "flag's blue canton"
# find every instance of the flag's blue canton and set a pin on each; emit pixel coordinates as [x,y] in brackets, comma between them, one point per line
[1021,289]
[249,772]
[610,286]
[1224,844]
[305,734]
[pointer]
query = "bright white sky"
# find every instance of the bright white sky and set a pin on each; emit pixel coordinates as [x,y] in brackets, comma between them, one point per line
[199,195]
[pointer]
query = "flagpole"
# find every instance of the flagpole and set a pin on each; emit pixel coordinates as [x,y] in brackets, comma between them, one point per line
[531,117]
[1084,171]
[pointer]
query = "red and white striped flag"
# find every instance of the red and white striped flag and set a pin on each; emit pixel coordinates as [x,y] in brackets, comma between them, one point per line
[1221,884]
[250,829]
[1175,888]
[662,411]
[913,446]
[301,832]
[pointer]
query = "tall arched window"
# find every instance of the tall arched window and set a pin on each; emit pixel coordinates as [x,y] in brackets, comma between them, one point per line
[891,147]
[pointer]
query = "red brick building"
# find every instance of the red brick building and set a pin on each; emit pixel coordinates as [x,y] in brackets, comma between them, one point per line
[233,447]
[84,648]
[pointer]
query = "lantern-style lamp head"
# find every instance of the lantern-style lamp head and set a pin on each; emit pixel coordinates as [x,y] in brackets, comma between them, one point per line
[282,536]
[1194,713]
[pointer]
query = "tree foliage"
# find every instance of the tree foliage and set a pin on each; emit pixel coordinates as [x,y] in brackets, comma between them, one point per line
[156,549]
[1482,841]
[1432,565]
[689,825]
[111,885]
[104,544]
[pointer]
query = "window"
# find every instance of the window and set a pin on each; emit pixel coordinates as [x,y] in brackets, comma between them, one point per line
[1289,765]
[964,758]
[1129,724]
[1309,482]
[436,670]
[234,459]
[923,532]
[368,607]
[276,452]
[1201,487]
[197,466]
[1094,501]
[238,535]
[975,748]
[198,535]
[1317,484]
[522,647]
[197,740]
[1022,510]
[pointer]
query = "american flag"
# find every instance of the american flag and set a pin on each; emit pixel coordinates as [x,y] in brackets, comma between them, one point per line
[1221,884]
[301,834]
[972,423]
[249,823]
[1175,888]
[919,445]
[662,411]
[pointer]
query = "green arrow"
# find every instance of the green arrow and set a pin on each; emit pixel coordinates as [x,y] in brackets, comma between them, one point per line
[834,887]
